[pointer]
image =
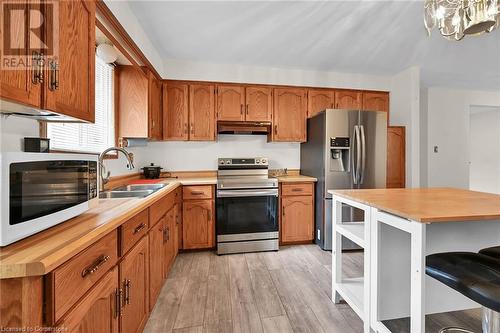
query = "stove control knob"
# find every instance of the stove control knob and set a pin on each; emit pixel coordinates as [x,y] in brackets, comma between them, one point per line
[221,162]
[264,161]
[257,161]
[228,161]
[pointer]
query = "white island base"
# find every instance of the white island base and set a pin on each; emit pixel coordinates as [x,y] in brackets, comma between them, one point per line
[394,284]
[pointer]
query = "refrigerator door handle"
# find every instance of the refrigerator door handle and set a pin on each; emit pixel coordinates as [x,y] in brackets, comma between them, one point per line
[363,154]
[356,161]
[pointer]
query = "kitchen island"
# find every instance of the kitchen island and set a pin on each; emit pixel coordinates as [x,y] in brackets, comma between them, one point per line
[400,228]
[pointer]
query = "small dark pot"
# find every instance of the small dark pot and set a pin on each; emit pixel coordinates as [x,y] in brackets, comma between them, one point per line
[152,171]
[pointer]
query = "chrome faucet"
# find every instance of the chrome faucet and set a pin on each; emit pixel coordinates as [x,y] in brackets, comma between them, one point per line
[102,168]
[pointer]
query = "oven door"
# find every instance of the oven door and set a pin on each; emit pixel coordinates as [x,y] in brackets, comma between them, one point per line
[253,211]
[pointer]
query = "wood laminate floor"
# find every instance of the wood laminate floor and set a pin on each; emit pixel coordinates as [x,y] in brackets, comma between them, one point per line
[284,291]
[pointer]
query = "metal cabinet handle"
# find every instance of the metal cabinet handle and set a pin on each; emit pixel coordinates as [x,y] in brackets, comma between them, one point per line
[118,302]
[275,129]
[241,109]
[192,128]
[197,192]
[95,266]
[139,228]
[297,189]
[38,64]
[283,211]
[54,75]
[246,109]
[166,234]
[185,128]
[126,294]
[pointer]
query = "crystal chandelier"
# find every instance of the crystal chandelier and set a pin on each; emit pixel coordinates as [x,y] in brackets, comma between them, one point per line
[457,18]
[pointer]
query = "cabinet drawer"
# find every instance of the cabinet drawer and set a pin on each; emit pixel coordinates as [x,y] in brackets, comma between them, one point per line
[70,281]
[297,189]
[159,208]
[197,192]
[132,230]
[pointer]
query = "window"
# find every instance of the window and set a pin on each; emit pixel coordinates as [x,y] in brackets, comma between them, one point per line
[90,138]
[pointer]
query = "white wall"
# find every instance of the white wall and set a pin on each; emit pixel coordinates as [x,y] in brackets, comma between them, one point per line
[405,111]
[485,150]
[448,129]
[13,130]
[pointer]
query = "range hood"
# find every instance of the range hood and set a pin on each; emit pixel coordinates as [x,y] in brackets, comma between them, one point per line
[244,127]
[14,109]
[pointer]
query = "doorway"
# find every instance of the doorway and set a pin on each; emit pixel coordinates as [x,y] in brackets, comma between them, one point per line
[484,170]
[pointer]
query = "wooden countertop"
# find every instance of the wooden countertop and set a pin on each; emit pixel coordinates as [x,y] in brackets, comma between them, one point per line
[43,252]
[295,179]
[428,205]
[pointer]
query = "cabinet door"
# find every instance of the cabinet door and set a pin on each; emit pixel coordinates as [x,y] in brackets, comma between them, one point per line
[230,103]
[198,224]
[134,280]
[177,235]
[70,77]
[259,105]
[396,164]
[348,99]
[319,100]
[155,108]
[132,89]
[201,112]
[297,221]
[175,111]
[98,310]
[16,84]
[375,101]
[156,261]
[289,115]
[169,240]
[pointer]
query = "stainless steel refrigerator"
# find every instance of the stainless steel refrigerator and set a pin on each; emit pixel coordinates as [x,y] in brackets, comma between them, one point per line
[345,149]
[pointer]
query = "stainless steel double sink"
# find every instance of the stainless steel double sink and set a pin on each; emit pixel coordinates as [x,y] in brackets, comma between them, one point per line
[132,191]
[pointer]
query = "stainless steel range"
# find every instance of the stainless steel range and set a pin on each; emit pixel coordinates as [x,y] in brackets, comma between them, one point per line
[247,206]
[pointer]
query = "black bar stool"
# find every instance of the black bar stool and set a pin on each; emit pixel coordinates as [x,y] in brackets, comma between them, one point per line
[476,276]
[491,251]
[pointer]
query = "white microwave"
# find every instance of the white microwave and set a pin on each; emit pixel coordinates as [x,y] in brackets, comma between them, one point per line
[38,191]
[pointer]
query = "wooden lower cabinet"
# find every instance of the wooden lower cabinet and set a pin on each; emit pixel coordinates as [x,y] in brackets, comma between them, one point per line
[156,259]
[169,241]
[98,310]
[134,281]
[297,213]
[177,233]
[198,224]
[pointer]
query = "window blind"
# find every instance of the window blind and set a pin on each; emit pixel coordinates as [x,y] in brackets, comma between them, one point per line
[90,138]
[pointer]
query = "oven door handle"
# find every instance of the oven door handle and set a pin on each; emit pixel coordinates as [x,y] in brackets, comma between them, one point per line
[246,193]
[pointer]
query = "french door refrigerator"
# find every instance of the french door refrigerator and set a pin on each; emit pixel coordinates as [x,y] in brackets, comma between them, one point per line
[345,149]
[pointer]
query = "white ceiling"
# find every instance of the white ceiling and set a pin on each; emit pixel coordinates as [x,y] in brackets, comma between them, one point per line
[370,37]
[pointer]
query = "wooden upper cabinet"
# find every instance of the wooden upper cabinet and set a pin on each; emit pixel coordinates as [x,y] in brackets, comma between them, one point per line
[230,102]
[348,99]
[69,78]
[155,108]
[97,311]
[132,89]
[376,101]
[20,85]
[201,112]
[259,104]
[175,111]
[396,157]
[289,115]
[134,281]
[319,100]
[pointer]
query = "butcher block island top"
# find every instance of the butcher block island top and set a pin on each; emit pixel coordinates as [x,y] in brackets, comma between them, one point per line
[429,205]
